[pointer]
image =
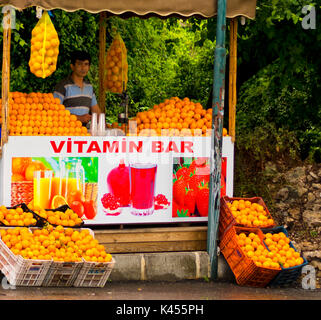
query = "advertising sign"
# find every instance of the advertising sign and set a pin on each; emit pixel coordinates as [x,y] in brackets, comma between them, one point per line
[114,180]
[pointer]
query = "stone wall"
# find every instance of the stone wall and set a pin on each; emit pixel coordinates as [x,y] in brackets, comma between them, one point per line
[296,197]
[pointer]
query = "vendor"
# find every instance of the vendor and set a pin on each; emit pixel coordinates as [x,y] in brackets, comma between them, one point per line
[76,93]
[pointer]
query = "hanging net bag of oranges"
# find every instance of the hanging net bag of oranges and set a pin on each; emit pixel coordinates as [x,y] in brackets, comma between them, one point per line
[116,66]
[44,48]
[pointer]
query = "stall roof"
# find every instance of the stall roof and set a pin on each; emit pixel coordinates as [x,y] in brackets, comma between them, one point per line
[163,8]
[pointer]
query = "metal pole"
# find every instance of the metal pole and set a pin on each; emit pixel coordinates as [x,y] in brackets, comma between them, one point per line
[216,137]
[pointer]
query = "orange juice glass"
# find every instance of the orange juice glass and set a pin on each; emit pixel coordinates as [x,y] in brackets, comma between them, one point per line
[74,177]
[42,184]
[58,186]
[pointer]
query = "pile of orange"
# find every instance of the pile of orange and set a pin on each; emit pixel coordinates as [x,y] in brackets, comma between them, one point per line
[40,114]
[279,246]
[254,248]
[250,214]
[59,244]
[67,219]
[175,117]
[16,217]
[44,48]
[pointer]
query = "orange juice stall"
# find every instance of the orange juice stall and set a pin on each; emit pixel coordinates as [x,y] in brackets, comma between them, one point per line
[141,175]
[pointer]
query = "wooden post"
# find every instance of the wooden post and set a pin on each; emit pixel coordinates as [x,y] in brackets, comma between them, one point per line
[102,53]
[5,82]
[232,77]
[217,137]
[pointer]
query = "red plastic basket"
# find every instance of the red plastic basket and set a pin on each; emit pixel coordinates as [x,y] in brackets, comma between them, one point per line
[227,219]
[246,272]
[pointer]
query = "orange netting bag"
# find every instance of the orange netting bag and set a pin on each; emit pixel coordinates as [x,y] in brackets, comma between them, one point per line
[44,48]
[116,76]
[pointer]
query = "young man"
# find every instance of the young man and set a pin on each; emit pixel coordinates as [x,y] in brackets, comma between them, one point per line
[74,92]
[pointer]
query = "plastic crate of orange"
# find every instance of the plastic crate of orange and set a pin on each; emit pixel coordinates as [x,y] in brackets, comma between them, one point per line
[291,260]
[244,212]
[20,271]
[247,256]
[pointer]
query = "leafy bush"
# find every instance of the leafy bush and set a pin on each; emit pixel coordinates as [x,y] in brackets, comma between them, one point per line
[279,73]
[266,100]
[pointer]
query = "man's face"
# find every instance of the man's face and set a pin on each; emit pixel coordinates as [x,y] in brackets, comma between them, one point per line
[80,68]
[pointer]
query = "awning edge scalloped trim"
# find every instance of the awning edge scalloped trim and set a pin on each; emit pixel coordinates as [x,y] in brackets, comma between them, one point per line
[138,13]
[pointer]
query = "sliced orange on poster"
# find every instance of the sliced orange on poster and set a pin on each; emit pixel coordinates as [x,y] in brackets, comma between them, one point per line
[58,201]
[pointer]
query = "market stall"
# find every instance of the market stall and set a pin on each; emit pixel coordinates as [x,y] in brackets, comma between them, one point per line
[129,178]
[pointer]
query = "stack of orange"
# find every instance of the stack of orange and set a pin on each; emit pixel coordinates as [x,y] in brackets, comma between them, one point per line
[250,214]
[67,219]
[175,117]
[254,249]
[40,114]
[279,246]
[59,244]
[16,217]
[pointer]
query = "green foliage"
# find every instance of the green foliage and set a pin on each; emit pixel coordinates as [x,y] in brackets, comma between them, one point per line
[267,143]
[279,80]
[264,101]
[314,233]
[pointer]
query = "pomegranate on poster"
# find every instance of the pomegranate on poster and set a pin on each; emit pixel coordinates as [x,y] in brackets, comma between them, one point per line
[118,183]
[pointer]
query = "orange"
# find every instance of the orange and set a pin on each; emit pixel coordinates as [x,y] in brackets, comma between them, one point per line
[276,237]
[252,235]
[31,168]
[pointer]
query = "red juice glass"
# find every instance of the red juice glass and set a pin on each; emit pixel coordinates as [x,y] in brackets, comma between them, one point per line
[142,188]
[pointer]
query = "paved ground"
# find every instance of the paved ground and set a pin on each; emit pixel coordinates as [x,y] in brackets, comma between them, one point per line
[145,290]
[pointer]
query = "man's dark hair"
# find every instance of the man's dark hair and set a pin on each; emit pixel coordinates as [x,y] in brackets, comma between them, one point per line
[79,55]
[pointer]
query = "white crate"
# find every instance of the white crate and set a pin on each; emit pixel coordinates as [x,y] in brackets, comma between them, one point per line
[20,271]
[94,274]
[62,274]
